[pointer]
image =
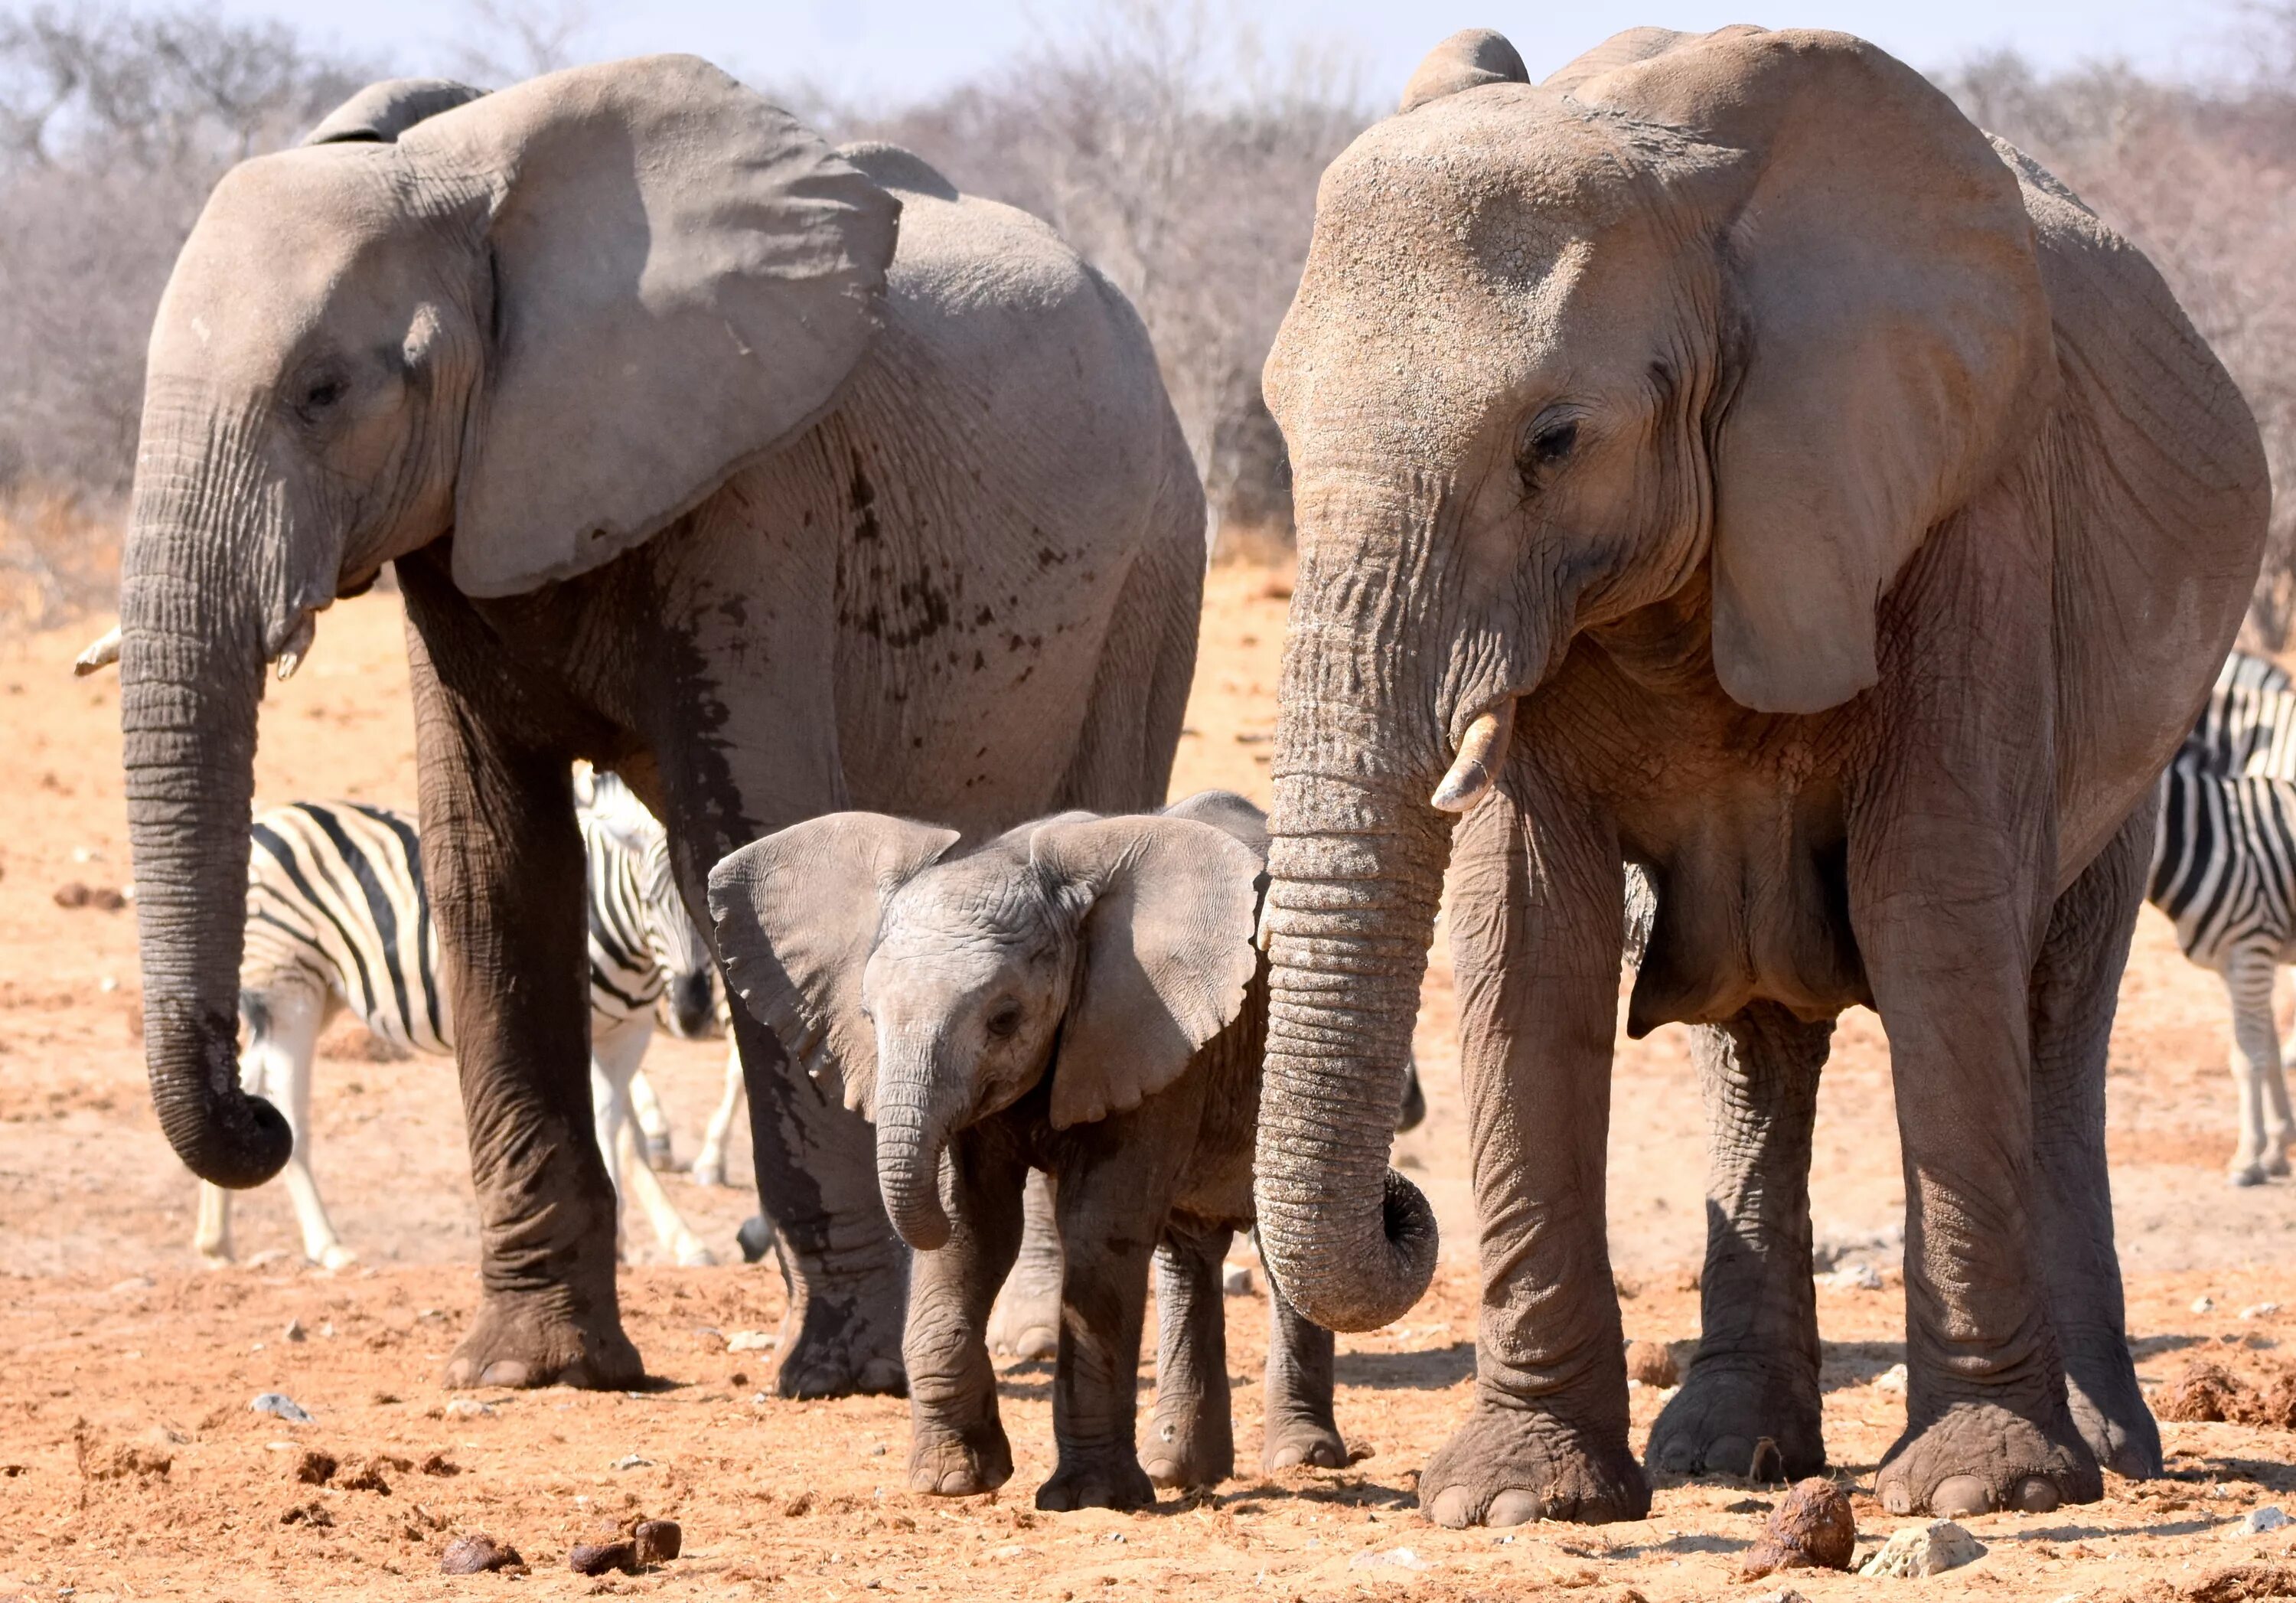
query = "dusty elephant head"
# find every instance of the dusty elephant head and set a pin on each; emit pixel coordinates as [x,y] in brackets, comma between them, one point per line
[1722,324]
[942,988]
[549,320]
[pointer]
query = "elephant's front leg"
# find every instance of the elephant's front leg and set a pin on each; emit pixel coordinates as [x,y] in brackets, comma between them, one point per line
[504,861]
[2076,987]
[1756,1375]
[957,1445]
[1027,1322]
[1536,943]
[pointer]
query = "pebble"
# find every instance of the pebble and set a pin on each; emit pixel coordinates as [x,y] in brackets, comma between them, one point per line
[2201,1304]
[2260,1310]
[752,1341]
[1925,1550]
[469,1407]
[294,1331]
[634,1461]
[1398,1558]
[476,1554]
[280,1406]
[2256,1522]
[1891,1379]
[1788,1595]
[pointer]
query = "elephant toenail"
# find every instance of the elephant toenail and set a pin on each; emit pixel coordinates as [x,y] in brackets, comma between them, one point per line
[1679,1456]
[1896,1498]
[1957,1495]
[505,1372]
[2036,1495]
[1287,1458]
[1452,1508]
[1728,1455]
[1512,1509]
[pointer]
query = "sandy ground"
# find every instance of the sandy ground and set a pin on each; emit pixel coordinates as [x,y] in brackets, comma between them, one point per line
[122,1356]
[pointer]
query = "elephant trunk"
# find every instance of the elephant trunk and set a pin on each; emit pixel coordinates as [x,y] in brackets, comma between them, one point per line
[190,663]
[913,1131]
[1356,851]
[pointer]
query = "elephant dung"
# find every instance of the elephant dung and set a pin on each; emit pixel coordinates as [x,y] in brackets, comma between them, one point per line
[2204,1394]
[1812,1528]
[477,1553]
[1652,1364]
[1925,1550]
[597,1558]
[656,1540]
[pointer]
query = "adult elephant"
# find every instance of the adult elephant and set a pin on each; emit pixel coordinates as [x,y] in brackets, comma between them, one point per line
[1721,458]
[686,468]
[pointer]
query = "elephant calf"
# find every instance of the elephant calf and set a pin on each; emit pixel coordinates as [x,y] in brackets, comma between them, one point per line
[1080,995]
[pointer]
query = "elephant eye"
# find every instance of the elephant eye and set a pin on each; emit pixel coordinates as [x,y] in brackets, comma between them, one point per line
[321,394]
[1005,1020]
[1546,448]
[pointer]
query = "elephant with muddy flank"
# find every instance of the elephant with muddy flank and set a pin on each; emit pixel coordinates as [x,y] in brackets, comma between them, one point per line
[1721,458]
[776,479]
[1079,996]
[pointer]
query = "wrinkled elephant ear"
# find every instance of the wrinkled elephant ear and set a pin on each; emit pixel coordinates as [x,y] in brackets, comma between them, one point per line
[1893,337]
[1166,953]
[683,277]
[797,916]
[381,112]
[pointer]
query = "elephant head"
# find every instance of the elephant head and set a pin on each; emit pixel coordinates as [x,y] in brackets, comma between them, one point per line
[1713,330]
[941,988]
[548,320]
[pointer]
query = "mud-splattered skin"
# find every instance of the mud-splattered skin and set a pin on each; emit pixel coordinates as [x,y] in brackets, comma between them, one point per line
[1720,458]
[958,578]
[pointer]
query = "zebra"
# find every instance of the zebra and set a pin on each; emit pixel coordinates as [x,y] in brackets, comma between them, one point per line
[2223,871]
[338,919]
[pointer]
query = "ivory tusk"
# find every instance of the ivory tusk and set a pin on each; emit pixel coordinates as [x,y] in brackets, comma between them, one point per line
[299,644]
[1265,935]
[1477,765]
[101,651]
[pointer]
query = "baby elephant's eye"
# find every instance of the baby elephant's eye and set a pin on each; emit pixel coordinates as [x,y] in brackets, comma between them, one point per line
[1004,1020]
[1545,450]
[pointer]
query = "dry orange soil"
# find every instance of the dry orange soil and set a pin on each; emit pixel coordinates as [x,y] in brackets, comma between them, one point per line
[131,1465]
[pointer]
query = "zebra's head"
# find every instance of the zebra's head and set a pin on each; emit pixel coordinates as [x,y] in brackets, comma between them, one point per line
[688,971]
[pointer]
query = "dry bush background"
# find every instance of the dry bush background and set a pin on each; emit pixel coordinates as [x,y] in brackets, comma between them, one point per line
[1168,141]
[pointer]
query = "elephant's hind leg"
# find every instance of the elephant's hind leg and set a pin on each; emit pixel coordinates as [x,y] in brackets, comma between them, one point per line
[2076,985]
[1191,1434]
[1755,1374]
[1301,1426]
[1538,984]
[1027,1321]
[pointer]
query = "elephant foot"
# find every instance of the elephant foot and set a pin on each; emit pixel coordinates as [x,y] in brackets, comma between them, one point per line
[1189,1446]
[1977,1456]
[1302,1442]
[534,1341]
[844,1343]
[1025,1323]
[1732,1407]
[1505,1465]
[2109,1409]
[959,1462]
[1098,1480]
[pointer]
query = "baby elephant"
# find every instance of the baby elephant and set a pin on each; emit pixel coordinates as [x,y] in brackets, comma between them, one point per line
[1080,995]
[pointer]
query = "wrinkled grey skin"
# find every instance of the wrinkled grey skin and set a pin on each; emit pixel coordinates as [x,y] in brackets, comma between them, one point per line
[688,470]
[1721,459]
[1079,996]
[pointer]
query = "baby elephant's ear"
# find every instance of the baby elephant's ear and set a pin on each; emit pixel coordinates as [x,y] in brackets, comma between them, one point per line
[797,916]
[1166,953]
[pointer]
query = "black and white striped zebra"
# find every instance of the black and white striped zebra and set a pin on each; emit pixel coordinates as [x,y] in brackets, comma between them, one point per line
[338,919]
[2223,871]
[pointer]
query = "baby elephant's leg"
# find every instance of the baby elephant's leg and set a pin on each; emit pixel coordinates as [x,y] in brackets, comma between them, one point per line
[1192,1438]
[958,1445]
[1300,1428]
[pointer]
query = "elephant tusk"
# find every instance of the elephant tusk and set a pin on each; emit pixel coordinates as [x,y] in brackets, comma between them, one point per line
[299,644]
[1265,936]
[1480,754]
[101,651]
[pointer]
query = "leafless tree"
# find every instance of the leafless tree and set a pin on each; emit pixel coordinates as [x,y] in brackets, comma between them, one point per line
[508,41]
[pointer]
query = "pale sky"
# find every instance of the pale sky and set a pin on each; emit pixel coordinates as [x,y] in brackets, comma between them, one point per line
[903,49]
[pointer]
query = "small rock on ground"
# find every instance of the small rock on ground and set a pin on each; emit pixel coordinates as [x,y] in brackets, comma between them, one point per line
[477,1553]
[1925,1550]
[279,1406]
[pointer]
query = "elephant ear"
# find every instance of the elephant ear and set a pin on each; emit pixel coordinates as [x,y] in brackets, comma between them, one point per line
[797,915]
[683,276]
[1894,339]
[381,112]
[1167,952]
[1468,58]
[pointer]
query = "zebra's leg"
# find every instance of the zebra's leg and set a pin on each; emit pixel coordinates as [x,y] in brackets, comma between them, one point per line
[710,1162]
[1756,1372]
[653,1123]
[1027,1320]
[2076,987]
[616,1053]
[2248,975]
[284,1060]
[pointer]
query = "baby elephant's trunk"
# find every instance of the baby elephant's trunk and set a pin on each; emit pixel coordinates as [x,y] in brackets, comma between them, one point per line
[912,1132]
